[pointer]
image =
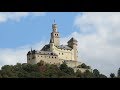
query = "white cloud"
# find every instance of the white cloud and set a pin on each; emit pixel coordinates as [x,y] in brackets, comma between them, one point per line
[10,56]
[99,40]
[17,16]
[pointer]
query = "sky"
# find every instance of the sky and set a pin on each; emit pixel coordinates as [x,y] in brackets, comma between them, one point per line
[97,33]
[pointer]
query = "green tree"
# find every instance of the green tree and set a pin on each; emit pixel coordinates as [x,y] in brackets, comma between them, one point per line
[79,66]
[66,69]
[102,76]
[112,75]
[88,74]
[96,73]
[79,74]
[118,73]
[83,65]
[41,63]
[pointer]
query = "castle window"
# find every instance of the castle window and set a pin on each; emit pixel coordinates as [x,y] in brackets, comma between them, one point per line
[62,53]
[52,57]
[57,34]
[51,53]
[55,57]
[59,53]
[33,57]
[41,56]
[49,56]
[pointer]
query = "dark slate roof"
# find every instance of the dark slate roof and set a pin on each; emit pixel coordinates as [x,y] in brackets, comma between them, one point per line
[42,53]
[64,47]
[72,39]
[46,53]
[46,48]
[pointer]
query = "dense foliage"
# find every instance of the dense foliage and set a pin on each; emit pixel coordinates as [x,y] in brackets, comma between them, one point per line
[112,75]
[42,70]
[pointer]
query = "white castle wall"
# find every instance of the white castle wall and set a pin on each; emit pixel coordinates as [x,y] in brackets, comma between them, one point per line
[64,54]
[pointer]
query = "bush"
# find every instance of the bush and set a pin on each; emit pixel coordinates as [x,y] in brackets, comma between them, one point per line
[83,66]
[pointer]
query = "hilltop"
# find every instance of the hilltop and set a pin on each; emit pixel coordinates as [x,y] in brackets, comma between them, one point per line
[42,70]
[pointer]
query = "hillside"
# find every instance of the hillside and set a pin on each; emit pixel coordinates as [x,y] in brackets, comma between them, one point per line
[42,70]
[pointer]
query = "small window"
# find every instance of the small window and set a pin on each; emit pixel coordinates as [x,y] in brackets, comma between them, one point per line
[55,57]
[57,34]
[52,57]
[41,56]
[59,53]
[62,53]
[49,56]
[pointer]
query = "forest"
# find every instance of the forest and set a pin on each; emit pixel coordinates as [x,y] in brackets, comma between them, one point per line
[43,70]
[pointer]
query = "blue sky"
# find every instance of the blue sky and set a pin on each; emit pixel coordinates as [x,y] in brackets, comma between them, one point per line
[97,33]
[31,30]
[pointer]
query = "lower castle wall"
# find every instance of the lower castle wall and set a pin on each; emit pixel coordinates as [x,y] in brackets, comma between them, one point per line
[64,54]
[34,59]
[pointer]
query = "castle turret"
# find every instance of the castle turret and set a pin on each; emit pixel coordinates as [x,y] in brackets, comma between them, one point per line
[54,27]
[55,35]
[73,44]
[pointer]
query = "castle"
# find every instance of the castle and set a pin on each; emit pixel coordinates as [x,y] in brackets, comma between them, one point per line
[54,53]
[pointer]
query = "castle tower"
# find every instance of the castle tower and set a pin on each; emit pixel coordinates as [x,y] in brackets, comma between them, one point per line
[73,44]
[51,44]
[55,35]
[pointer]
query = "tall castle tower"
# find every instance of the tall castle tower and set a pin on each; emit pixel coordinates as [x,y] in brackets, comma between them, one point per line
[55,35]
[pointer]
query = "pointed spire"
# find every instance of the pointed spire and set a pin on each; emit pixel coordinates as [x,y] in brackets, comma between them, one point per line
[54,20]
[72,40]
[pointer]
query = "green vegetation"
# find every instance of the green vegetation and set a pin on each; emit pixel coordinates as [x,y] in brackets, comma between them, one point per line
[83,65]
[112,75]
[42,70]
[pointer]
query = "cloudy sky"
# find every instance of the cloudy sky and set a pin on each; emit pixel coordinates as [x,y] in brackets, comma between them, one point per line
[97,33]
